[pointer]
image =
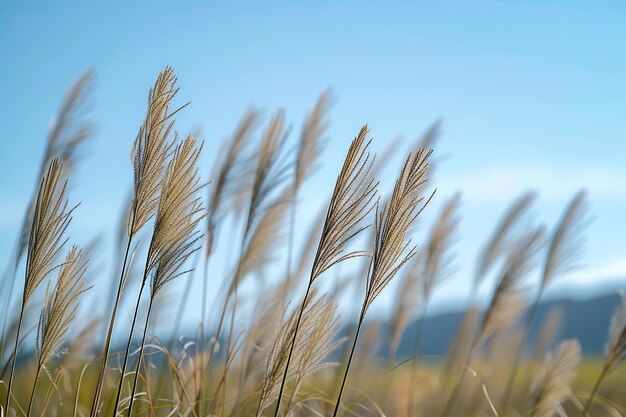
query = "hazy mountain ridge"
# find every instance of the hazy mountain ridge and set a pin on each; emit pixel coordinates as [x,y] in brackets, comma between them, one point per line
[586,320]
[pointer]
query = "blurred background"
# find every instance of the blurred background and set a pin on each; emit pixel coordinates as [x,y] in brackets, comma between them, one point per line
[530,96]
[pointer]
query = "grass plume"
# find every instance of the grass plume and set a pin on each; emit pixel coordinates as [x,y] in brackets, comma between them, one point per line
[51,218]
[59,311]
[352,200]
[148,157]
[392,245]
[552,384]
[175,236]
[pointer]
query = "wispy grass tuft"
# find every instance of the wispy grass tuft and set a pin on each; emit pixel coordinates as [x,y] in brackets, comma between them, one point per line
[59,311]
[51,218]
[552,383]
[392,244]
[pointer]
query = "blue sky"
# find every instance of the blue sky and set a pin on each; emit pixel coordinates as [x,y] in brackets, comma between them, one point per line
[531,93]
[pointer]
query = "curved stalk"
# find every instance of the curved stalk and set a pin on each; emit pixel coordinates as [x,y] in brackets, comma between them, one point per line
[596,387]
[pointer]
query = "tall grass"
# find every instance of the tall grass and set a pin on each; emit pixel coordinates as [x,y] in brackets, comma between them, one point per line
[278,345]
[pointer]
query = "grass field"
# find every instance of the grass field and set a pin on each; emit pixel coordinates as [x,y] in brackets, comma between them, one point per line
[287,355]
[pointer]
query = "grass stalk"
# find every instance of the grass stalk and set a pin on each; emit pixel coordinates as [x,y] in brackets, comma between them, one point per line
[345,375]
[177,323]
[417,347]
[128,346]
[143,341]
[291,347]
[15,348]
[32,394]
[9,276]
[107,343]
[459,384]
[594,391]
[530,319]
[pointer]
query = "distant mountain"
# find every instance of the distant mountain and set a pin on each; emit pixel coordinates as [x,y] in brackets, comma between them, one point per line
[586,320]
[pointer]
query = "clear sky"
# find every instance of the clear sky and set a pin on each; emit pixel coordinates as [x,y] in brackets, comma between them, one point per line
[532,95]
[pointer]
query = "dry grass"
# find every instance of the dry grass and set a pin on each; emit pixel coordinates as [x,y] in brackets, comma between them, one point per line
[282,349]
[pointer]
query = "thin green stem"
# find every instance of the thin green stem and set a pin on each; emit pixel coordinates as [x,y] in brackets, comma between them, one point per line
[50,391]
[457,388]
[107,344]
[205,276]
[232,292]
[293,343]
[291,237]
[32,394]
[518,356]
[596,387]
[77,396]
[128,346]
[176,329]
[177,324]
[9,275]
[345,375]
[211,349]
[143,341]
[17,341]
[417,347]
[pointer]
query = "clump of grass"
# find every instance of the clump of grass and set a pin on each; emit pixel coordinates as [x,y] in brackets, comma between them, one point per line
[552,383]
[392,245]
[351,202]
[563,254]
[59,311]
[314,341]
[175,237]
[614,351]
[51,218]
[150,151]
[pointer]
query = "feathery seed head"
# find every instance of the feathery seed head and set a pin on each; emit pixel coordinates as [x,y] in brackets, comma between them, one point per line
[228,174]
[501,237]
[180,209]
[507,300]
[151,149]
[315,340]
[60,307]
[552,384]
[567,241]
[437,259]
[353,198]
[51,217]
[392,246]
[310,145]
[425,271]
[265,237]
[271,170]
